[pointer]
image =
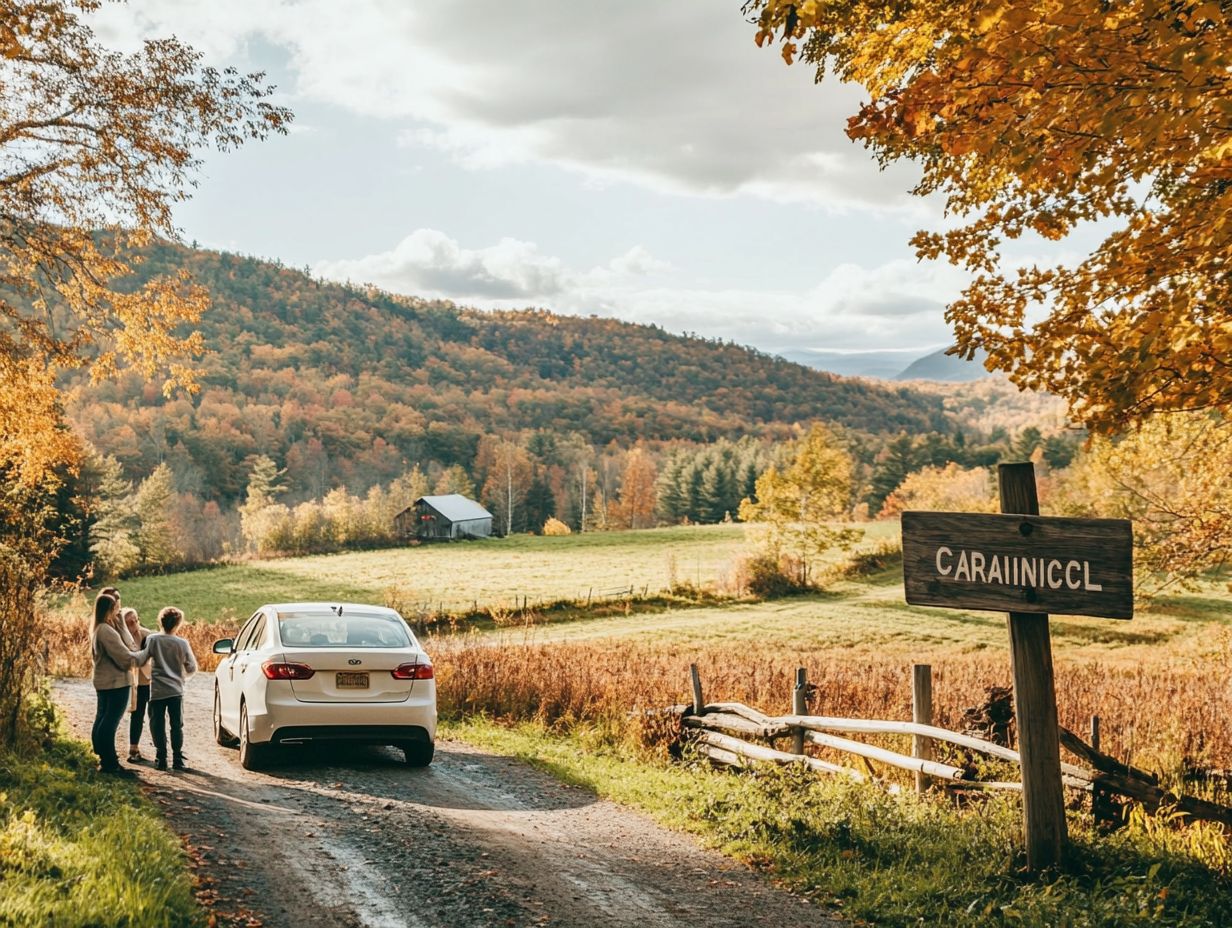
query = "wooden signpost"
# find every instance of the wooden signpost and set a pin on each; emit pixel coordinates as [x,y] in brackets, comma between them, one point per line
[1029,566]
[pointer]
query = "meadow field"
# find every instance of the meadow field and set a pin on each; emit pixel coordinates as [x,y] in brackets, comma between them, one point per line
[580,696]
[456,577]
[1157,680]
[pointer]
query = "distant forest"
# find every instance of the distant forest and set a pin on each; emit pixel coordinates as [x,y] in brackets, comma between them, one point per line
[352,387]
[347,388]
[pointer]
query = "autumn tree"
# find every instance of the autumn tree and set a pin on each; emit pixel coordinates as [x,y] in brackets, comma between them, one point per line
[454,479]
[801,503]
[508,472]
[635,506]
[1036,119]
[947,489]
[96,148]
[1171,478]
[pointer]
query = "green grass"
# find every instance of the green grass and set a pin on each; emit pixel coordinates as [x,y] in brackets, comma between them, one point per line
[497,571]
[891,859]
[79,850]
[868,614]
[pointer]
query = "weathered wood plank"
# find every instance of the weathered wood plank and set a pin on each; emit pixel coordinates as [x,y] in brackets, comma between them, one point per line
[736,724]
[879,726]
[758,752]
[1138,784]
[1019,563]
[892,758]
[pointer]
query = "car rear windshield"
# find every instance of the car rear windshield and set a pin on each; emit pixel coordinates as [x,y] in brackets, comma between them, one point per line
[299,630]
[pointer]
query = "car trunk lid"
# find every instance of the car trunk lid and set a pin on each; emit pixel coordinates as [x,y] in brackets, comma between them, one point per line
[344,675]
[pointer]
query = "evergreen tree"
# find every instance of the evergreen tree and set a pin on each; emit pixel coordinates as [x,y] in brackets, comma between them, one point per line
[898,460]
[673,501]
[694,478]
[264,488]
[540,502]
[113,537]
[153,502]
[1028,440]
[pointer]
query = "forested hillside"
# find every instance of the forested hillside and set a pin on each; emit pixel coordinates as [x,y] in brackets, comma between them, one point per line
[345,386]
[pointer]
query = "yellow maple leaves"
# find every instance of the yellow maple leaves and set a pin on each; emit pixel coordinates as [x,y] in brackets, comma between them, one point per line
[95,149]
[1032,117]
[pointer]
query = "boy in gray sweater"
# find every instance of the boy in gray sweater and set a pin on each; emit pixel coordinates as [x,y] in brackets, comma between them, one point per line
[171,663]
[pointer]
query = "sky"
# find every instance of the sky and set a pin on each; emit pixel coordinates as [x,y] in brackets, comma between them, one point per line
[628,158]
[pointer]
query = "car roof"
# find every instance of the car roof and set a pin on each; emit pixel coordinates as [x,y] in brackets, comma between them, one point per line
[330,608]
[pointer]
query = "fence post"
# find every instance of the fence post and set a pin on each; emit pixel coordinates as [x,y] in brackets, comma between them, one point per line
[698,703]
[1102,811]
[799,706]
[921,714]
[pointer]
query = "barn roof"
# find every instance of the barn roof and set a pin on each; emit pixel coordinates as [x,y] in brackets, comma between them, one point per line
[455,507]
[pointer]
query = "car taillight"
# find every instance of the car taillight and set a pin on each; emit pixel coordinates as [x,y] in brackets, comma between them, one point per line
[412,672]
[279,670]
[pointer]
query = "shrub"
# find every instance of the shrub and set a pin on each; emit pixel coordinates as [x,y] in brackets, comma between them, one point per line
[556,527]
[770,577]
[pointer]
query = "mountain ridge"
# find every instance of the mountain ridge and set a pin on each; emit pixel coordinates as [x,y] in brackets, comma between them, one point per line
[303,368]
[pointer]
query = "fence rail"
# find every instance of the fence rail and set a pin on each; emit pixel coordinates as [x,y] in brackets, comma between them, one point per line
[727,733]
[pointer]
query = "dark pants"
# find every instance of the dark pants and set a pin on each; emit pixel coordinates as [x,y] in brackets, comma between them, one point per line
[111,706]
[136,719]
[160,710]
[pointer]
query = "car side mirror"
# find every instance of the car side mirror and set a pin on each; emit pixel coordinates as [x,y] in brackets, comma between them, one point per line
[224,646]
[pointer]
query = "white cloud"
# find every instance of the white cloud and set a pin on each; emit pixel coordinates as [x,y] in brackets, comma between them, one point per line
[895,304]
[430,263]
[674,96]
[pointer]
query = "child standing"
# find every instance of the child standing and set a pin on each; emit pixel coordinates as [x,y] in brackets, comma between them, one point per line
[136,719]
[171,663]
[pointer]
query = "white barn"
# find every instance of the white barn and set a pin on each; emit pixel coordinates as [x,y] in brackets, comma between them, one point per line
[440,517]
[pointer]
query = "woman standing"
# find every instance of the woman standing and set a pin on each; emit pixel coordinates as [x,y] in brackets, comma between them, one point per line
[136,715]
[112,661]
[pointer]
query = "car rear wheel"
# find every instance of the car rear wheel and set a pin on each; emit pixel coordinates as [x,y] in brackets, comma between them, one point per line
[419,753]
[252,756]
[221,735]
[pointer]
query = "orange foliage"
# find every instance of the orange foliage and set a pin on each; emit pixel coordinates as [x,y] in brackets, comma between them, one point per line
[1036,118]
[90,140]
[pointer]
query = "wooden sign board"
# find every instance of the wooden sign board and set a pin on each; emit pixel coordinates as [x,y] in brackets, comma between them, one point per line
[1012,563]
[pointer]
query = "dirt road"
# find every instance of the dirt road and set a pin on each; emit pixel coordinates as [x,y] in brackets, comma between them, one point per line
[349,837]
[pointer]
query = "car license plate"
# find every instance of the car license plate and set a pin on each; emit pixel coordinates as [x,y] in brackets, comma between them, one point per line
[353,681]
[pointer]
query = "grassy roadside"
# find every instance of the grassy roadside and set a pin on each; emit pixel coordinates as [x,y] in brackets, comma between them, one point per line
[894,860]
[79,850]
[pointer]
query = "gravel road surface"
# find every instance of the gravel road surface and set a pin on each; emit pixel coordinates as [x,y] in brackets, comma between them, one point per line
[350,837]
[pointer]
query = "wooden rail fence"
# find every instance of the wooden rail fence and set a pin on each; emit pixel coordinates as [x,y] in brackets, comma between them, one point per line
[729,733]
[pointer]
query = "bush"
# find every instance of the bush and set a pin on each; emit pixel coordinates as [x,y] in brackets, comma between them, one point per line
[556,527]
[770,577]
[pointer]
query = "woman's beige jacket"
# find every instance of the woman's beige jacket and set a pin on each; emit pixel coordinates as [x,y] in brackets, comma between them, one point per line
[113,658]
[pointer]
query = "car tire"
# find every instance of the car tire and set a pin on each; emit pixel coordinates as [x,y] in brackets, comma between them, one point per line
[418,753]
[221,735]
[252,756]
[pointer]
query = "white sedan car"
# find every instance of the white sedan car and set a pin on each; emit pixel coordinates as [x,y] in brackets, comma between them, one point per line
[300,672]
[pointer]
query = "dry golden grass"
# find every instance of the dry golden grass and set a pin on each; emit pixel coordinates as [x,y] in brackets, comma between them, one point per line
[1164,712]
[1160,714]
[66,644]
